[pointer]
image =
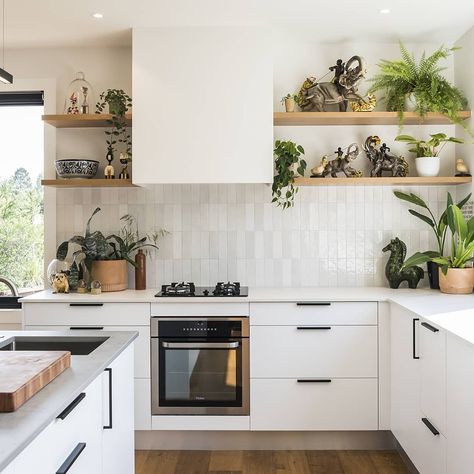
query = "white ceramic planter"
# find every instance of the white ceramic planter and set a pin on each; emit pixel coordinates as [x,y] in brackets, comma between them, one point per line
[427,166]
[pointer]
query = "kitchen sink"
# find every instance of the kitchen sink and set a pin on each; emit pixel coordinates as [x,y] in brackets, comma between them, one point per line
[9,302]
[76,345]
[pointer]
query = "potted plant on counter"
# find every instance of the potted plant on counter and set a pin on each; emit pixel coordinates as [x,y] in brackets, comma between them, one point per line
[438,226]
[408,83]
[289,101]
[456,274]
[427,152]
[288,164]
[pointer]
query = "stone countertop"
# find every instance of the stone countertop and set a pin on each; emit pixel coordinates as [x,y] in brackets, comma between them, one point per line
[19,428]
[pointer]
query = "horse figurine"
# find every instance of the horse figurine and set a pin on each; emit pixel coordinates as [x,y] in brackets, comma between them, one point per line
[395,276]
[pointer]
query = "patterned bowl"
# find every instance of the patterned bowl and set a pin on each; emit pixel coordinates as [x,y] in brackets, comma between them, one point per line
[76,168]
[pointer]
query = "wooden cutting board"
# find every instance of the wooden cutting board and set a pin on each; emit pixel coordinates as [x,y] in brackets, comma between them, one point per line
[24,373]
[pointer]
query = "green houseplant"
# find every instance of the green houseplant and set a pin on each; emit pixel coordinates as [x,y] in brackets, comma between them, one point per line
[440,227]
[427,151]
[421,82]
[288,164]
[289,101]
[118,103]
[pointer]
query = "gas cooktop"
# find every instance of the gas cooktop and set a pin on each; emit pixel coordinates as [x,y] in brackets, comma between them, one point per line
[191,290]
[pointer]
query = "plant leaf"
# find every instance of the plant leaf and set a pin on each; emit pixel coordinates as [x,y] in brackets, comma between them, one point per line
[422,217]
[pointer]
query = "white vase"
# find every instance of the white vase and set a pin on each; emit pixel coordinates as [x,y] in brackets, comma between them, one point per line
[427,165]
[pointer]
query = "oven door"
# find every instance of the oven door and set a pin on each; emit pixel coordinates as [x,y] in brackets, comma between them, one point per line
[200,376]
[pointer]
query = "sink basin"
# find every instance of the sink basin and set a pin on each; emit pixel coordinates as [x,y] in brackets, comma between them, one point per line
[10,302]
[76,345]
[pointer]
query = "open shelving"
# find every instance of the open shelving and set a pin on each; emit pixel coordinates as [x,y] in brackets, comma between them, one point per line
[359,118]
[82,120]
[88,183]
[387,181]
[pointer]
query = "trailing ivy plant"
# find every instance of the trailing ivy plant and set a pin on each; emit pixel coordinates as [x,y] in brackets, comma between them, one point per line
[287,157]
[119,103]
[422,80]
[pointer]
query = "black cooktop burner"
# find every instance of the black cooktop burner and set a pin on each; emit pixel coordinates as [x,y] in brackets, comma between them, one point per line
[189,289]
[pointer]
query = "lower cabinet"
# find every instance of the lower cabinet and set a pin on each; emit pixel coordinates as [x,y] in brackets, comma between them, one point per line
[93,435]
[314,404]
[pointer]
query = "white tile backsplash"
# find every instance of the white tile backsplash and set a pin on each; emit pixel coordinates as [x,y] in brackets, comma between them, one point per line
[333,235]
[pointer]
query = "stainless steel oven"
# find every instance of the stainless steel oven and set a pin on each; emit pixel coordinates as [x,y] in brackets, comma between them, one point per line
[200,366]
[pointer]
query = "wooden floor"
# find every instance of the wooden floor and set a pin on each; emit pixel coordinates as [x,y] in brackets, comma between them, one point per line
[269,462]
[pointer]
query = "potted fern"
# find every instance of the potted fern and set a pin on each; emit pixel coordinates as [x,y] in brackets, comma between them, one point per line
[407,79]
[427,151]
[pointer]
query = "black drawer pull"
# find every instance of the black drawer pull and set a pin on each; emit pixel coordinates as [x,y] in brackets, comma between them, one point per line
[430,426]
[430,327]
[313,303]
[86,304]
[414,338]
[312,328]
[86,328]
[109,426]
[71,406]
[71,459]
[314,380]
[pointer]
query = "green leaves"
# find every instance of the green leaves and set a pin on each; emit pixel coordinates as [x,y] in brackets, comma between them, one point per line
[419,258]
[422,217]
[411,198]
[424,148]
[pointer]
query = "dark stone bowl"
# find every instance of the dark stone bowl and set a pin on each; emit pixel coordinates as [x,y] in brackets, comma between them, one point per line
[77,168]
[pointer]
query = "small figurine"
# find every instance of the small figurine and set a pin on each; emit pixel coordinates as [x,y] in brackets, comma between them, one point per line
[85,105]
[124,161]
[366,105]
[73,109]
[382,160]
[82,286]
[461,168]
[340,91]
[395,276]
[109,171]
[341,163]
[317,171]
[96,287]
[60,283]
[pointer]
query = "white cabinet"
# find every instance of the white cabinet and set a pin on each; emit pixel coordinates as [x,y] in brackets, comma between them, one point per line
[460,406]
[118,419]
[202,105]
[308,405]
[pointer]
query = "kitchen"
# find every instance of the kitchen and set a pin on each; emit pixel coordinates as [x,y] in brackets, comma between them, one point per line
[313,296]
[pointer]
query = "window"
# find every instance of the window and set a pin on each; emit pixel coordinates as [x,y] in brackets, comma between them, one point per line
[21,194]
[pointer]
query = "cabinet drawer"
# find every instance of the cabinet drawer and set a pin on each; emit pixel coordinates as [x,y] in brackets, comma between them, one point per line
[285,404]
[313,351]
[88,314]
[141,345]
[429,454]
[433,374]
[229,308]
[306,312]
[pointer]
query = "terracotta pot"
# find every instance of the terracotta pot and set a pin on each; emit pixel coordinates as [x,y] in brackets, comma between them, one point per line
[112,274]
[290,105]
[458,281]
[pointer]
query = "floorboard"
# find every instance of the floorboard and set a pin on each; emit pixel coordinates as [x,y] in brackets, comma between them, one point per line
[269,462]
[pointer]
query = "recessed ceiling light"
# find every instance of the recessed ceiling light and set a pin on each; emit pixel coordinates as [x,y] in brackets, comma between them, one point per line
[384,11]
[98,15]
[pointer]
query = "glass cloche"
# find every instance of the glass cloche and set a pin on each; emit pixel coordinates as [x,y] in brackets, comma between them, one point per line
[80,97]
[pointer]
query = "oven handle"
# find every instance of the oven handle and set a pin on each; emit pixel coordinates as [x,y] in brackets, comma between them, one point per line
[200,345]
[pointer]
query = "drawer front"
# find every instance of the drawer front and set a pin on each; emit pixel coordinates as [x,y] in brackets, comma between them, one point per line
[201,309]
[141,344]
[429,453]
[305,312]
[142,404]
[285,404]
[313,351]
[86,314]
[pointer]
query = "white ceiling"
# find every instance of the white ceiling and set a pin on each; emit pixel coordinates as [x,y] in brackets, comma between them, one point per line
[54,23]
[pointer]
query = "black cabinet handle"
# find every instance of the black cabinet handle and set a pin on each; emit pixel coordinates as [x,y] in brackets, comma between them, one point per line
[86,328]
[71,406]
[414,338]
[71,459]
[109,426]
[430,426]
[430,327]
[312,328]
[86,304]
[313,380]
[313,303]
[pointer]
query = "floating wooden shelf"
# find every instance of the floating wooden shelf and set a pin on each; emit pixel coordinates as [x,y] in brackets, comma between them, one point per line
[81,120]
[359,118]
[88,183]
[387,181]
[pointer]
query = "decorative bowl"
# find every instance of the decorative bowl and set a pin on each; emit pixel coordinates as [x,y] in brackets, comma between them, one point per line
[76,168]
